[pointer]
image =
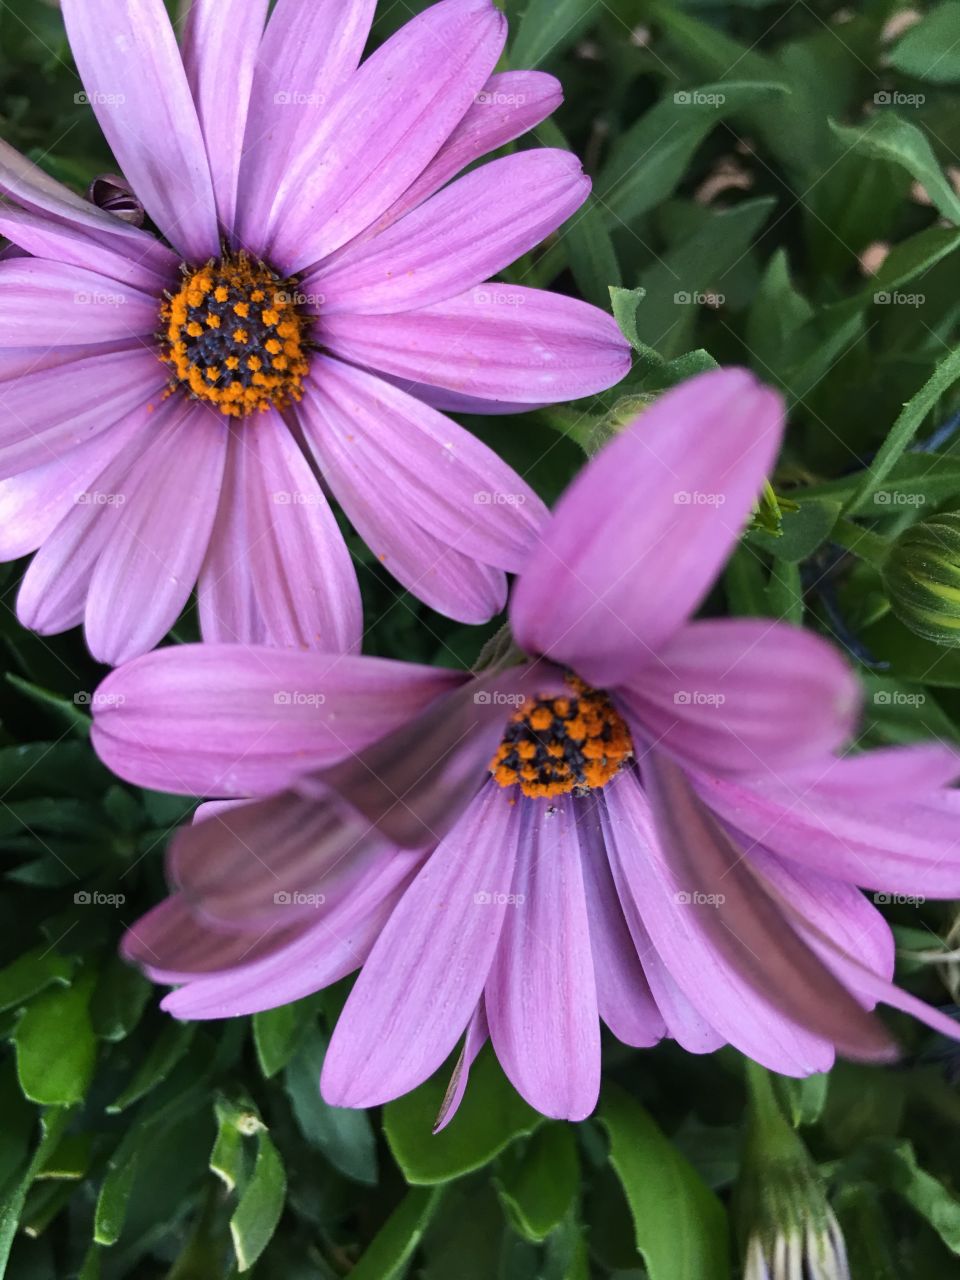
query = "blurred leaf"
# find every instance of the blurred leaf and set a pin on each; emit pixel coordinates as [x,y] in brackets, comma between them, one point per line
[53,1122]
[889,136]
[548,28]
[30,973]
[115,1196]
[907,425]
[165,1052]
[491,1116]
[391,1250]
[120,997]
[804,531]
[344,1135]
[538,1187]
[278,1033]
[56,1046]
[258,1213]
[930,50]
[680,1225]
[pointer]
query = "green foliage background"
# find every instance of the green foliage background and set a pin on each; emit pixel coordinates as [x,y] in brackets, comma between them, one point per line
[132,1146]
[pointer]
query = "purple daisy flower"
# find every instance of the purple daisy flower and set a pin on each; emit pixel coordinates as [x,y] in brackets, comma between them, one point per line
[646,823]
[173,408]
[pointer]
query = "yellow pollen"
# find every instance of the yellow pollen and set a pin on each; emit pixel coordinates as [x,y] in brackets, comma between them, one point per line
[562,745]
[241,369]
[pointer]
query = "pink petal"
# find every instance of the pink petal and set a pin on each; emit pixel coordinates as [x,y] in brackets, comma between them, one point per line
[907,846]
[426,973]
[159,537]
[293,554]
[130,65]
[437,474]
[310,48]
[335,941]
[53,594]
[382,129]
[34,503]
[499,342]
[883,774]
[725,941]
[76,246]
[468,232]
[227,601]
[541,995]
[221,720]
[45,414]
[220,55]
[745,695]
[28,185]
[478,1033]
[48,302]
[509,105]
[451,581]
[639,537]
[624,999]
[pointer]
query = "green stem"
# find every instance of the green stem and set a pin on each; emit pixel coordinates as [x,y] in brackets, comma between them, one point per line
[862,542]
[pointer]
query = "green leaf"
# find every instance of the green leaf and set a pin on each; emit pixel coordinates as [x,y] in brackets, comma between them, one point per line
[910,657]
[548,28]
[278,1033]
[345,1136]
[56,1046]
[892,138]
[681,1227]
[906,427]
[165,1052]
[893,1165]
[805,1098]
[54,1123]
[114,1197]
[228,1158]
[31,973]
[118,1001]
[491,1116]
[538,1187]
[626,304]
[258,1213]
[652,156]
[931,50]
[72,714]
[804,531]
[395,1242]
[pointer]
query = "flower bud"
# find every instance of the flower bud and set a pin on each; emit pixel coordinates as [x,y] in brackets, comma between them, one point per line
[790,1228]
[922,578]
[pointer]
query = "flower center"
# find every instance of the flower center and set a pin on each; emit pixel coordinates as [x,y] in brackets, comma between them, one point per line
[554,746]
[234,337]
